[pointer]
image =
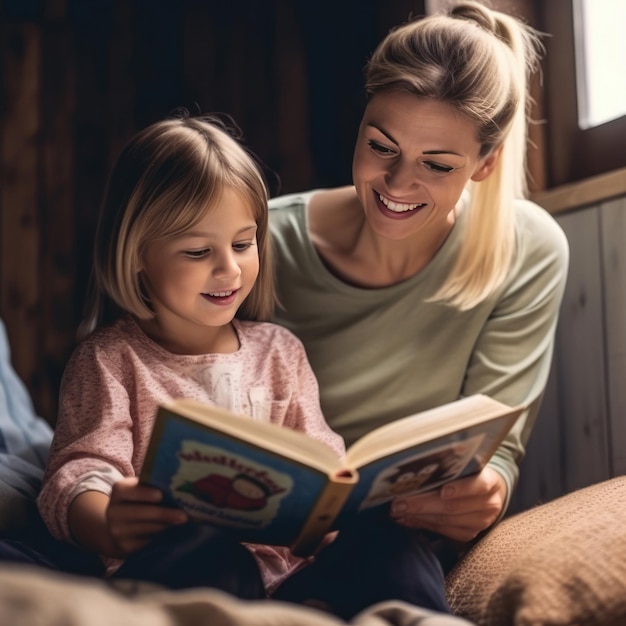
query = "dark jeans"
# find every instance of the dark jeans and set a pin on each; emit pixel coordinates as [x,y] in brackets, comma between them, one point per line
[194,555]
[371,561]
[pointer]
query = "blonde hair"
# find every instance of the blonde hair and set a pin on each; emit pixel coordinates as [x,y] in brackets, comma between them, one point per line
[164,182]
[478,60]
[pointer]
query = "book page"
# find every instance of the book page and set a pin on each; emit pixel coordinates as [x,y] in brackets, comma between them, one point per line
[278,439]
[414,468]
[422,471]
[427,425]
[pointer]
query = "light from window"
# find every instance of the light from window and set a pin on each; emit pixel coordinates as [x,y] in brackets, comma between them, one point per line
[600,60]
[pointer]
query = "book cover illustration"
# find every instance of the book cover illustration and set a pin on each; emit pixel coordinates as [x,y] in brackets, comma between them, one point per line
[217,484]
[226,482]
[416,469]
[420,472]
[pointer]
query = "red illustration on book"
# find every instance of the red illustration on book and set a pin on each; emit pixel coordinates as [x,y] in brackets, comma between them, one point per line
[221,486]
[241,492]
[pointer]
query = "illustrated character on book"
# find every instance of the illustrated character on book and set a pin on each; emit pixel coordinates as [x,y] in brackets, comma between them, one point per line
[422,472]
[417,473]
[216,477]
[241,492]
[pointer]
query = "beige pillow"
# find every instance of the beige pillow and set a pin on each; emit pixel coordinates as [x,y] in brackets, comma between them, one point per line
[561,563]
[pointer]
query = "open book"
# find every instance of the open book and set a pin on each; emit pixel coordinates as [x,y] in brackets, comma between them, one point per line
[273,485]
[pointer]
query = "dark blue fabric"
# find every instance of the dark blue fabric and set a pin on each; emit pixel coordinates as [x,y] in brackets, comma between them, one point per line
[371,561]
[194,555]
[24,443]
[24,437]
[34,545]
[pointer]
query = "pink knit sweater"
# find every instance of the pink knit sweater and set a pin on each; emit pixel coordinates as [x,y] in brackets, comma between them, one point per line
[116,378]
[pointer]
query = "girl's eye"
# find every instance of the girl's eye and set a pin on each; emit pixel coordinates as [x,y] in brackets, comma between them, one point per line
[197,254]
[242,246]
[438,168]
[379,148]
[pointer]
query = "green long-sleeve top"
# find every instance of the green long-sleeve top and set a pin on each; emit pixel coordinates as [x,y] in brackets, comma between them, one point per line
[383,353]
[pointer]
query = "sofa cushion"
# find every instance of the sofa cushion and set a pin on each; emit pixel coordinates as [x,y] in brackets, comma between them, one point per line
[559,563]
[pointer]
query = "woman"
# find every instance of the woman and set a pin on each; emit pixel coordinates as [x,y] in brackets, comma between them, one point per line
[431,278]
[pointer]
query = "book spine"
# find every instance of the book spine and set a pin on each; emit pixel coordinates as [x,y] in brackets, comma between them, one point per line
[323,514]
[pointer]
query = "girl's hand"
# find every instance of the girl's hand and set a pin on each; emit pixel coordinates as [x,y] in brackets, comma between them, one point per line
[459,510]
[134,516]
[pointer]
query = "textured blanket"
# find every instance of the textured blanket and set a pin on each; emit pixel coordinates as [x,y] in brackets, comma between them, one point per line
[30,597]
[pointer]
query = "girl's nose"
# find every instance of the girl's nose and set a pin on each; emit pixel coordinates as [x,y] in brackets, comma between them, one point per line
[226,265]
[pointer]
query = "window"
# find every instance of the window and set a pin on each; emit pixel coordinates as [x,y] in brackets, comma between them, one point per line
[576,150]
[600,60]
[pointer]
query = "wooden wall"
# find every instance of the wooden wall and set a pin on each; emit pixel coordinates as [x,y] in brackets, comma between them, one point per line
[580,435]
[79,77]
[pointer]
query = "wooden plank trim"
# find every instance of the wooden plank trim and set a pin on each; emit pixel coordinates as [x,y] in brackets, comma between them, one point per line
[587,192]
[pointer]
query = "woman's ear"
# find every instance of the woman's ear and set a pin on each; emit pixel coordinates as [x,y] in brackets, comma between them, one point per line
[487,165]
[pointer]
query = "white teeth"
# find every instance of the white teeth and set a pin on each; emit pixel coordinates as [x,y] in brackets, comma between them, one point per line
[220,294]
[398,207]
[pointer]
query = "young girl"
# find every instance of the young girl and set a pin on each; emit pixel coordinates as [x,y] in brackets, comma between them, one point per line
[182,258]
[182,248]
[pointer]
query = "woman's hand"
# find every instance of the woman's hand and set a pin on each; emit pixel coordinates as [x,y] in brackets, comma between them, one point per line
[459,510]
[134,516]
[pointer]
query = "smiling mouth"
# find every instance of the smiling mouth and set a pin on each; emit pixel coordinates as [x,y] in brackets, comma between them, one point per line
[221,297]
[400,207]
[219,294]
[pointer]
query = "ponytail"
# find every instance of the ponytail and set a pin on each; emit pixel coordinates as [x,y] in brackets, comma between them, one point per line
[478,60]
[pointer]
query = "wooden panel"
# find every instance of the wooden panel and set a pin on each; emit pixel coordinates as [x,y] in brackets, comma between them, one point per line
[580,357]
[291,105]
[570,444]
[614,259]
[589,192]
[19,226]
[93,26]
[122,91]
[556,18]
[57,215]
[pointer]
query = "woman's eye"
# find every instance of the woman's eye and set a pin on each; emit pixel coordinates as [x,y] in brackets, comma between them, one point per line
[379,148]
[438,168]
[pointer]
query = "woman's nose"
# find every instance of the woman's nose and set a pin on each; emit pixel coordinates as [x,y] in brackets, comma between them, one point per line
[401,176]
